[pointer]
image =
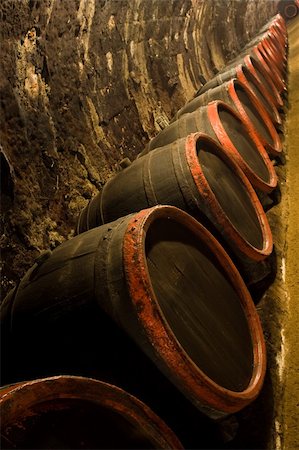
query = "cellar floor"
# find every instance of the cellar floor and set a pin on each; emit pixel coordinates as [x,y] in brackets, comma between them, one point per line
[290,409]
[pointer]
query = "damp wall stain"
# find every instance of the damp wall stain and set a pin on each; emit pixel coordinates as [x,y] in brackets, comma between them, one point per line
[86,83]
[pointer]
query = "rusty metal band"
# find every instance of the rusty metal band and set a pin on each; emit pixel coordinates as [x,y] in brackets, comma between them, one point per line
[273,98]
[225,140]
[214,209]
[179,166]
[258,139]
[147,180]
[199,388]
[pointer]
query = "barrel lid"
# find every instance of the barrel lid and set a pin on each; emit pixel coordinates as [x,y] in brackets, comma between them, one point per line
[19,400]
[215,400]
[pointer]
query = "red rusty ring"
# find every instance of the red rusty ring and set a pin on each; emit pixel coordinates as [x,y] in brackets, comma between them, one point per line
[276,148]
[277,43]
[276,119]
[274,51]
[279,21]
[212,202]
[282,37]
[271,68]
[280,41]
[274,63]
[16,400]
[272,36]
[274,96]
[199,388]
[224,139]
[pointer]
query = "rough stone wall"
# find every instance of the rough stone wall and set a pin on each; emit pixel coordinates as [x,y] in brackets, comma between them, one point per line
[85,83]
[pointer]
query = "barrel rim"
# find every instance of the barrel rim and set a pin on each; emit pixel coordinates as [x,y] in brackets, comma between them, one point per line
[17,398]
[225,140]
[275,36]
[276,97]
[269,96]
[274,148]
[276,57]
[272,63]
[207,194]
[201,390]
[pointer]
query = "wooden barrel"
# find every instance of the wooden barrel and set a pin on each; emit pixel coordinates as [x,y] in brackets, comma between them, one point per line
[258,51]
[225,125]
[258,123]
[168,283]
[259,71]
[278,23]
[288,8]
[276,60]
[249,78]
[276,74]
[273,40]
[280,29]
[199,177]
[70,412]
[278,53]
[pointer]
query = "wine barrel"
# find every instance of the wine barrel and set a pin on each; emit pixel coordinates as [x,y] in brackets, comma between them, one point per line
[278,22]
[273,68]
[259,71]
[225,125]
[281,40]
[167,282]
[71,412]
[262,65]
[278,54]
[280,25]
[198,176]
[288,9]
[258,123]
[274,41]
[275,60]
[259,52]
[246,75]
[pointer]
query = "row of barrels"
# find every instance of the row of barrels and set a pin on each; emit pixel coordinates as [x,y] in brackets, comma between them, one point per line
[151,294]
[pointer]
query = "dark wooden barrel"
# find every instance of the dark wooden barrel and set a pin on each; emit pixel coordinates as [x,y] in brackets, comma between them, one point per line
[274,42]
[199,177]
[276,74]
[258,123]
[259,71]
[278,53]
[167,282]
[279,27]
[288,8]
[225,125]
[258,67]
[258,51]
[278,23]
[70,412]
[276,59]
[246,76]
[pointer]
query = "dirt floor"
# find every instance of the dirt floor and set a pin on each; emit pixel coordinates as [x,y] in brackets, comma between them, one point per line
[290,419]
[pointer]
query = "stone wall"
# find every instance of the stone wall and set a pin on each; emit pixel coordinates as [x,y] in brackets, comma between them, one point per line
[85,83]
